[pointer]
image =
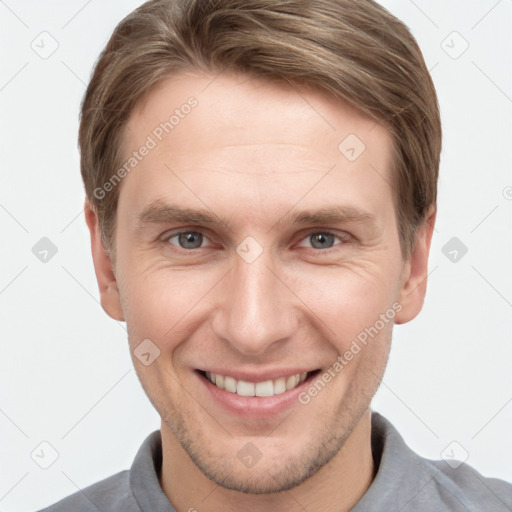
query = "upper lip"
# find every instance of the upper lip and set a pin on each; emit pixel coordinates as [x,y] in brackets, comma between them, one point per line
[261,376]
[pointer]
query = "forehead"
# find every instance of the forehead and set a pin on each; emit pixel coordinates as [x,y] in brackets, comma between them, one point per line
[272,143]
[252,110]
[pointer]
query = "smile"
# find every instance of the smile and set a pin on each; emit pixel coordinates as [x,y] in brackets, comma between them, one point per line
[262,389]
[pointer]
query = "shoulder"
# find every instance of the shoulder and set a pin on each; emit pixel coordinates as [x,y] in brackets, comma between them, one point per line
[408,482]
[123,491]
[112,494]
[465,485]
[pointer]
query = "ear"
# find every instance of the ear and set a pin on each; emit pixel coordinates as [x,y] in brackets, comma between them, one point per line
[107,284]
[415,272]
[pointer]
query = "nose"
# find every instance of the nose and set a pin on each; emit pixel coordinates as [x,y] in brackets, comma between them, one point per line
[256,309]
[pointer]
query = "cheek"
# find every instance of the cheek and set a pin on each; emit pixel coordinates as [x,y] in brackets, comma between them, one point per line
[347,299]
[338,302]
[158,303]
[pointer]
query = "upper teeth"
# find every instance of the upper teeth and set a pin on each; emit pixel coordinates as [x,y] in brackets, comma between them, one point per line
[265,388]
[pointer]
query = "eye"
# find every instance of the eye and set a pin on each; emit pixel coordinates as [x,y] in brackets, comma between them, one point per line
[322,240]
[190,240]
[187,239]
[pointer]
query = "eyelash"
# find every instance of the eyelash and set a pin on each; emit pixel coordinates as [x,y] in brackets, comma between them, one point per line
[344,239]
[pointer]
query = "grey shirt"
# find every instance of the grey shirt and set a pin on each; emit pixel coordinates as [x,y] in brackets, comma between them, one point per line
[404,482]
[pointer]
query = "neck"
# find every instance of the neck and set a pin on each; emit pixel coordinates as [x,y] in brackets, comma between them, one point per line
[336,487]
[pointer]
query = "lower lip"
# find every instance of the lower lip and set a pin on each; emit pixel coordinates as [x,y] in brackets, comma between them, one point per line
[255,406]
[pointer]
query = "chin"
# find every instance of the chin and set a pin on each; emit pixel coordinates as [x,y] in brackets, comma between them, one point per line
[272,472]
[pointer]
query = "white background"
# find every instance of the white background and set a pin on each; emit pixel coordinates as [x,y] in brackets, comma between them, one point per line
[65,372]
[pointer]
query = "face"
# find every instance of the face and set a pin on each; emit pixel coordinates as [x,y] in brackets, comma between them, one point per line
[256,243]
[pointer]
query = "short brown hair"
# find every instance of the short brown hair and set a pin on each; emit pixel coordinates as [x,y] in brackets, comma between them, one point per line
[353,48]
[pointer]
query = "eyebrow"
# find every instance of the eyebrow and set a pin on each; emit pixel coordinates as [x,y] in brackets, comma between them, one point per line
[330,214]
[162,213]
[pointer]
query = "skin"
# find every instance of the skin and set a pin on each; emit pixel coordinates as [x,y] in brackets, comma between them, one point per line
[250,153]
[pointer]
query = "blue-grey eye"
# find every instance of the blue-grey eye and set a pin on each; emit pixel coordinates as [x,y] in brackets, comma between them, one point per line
[322,240]
[189,239]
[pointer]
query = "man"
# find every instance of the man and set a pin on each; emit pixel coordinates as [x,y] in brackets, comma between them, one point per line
[261,195]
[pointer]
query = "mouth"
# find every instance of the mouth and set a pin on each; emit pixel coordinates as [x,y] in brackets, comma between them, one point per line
[263,389]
